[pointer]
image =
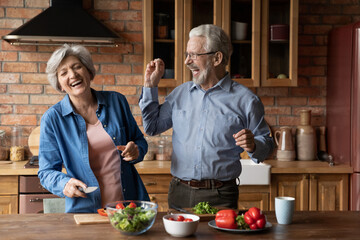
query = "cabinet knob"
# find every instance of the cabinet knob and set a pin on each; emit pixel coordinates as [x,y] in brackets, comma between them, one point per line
[152,198]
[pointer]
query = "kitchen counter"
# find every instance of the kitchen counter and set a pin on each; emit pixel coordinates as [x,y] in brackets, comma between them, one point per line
[306,225]
[163,167]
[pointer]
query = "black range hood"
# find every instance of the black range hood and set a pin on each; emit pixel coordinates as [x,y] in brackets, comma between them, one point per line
[65,21]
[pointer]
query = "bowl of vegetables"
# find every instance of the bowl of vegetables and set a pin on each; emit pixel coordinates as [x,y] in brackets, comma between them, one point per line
[132,217]
[181,225]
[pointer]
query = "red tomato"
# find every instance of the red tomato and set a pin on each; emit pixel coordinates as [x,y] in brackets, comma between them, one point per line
[132,205]
[120,206]
[102,212]
[180,218]
[188,220]
[171,219]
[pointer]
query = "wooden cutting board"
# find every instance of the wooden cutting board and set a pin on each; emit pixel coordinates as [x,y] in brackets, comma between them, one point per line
[33,141]
[90,218]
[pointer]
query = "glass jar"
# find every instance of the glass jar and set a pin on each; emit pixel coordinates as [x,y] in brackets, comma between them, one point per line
[164,149]
[3,149]
[16,149]
[150,155]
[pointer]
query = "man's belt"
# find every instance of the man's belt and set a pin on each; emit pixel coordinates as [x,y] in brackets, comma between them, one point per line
[207,183]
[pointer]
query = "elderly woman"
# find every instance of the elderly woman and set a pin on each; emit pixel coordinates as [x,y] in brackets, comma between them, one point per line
[92,134]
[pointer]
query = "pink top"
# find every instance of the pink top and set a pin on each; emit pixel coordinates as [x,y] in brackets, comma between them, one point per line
[105,163]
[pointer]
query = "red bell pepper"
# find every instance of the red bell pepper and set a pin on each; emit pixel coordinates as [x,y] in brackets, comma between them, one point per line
[226,219]
[102,212]
[254,218]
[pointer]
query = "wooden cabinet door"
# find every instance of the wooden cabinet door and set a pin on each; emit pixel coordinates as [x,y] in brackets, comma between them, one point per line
[156,183]
[328,192]
[9,185]
[9,204]
[279,53]
[162,201]
[244,64]
[248,200]
[291,185]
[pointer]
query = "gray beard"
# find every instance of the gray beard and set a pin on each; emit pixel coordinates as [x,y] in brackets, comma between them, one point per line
[201,79]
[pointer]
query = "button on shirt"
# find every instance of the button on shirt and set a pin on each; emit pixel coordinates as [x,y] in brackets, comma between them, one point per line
[63,141]
[203,125]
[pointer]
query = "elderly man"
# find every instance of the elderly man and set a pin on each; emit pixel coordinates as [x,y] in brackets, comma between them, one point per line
[214,119]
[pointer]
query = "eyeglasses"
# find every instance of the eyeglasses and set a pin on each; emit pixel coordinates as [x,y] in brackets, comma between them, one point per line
[193,56]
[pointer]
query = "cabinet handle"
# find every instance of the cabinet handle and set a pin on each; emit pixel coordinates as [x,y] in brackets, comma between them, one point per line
[150,183]
[314,177]
[36,200]
[152,198]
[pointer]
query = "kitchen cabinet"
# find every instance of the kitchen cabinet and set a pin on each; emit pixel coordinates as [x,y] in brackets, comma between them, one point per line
[175,18]
[257,59]
[323,192]
[279,49]
[254,196]
[314,184]
[157,186]
[328,192]
[8,194]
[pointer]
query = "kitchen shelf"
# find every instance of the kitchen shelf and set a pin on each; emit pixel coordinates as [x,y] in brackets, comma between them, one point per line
[256,60]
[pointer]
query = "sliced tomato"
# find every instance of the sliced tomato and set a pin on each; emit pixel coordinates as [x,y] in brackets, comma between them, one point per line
[188,220]
[102,212]
[132,205]
[119,206]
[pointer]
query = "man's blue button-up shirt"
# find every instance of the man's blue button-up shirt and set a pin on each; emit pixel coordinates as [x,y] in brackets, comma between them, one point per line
[203,125]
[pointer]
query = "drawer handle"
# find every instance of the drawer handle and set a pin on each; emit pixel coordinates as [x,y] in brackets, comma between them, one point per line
[152,198]
[150,183]
[36,200]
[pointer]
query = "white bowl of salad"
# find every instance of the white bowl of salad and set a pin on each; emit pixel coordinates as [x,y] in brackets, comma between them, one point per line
[132,217]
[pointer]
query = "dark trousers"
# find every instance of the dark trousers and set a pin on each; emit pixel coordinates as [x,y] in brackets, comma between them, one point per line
[184,196]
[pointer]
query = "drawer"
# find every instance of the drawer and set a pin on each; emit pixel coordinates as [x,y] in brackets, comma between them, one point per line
[161,200]
[31,184]
[155,183]
[33,203]
[8,185]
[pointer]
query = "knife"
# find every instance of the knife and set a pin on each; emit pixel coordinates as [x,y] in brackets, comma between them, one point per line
[88,189]
[179,209]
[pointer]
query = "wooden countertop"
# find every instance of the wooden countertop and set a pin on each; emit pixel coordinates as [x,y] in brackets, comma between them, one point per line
[305,225]
[163,167]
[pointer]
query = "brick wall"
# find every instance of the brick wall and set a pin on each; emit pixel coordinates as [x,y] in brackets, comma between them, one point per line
[25,93]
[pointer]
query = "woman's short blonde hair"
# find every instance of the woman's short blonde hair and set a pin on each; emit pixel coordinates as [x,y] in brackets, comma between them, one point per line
[68,50]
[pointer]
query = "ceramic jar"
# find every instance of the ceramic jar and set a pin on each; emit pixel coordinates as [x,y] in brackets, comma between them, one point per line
[305,137]
[285,143]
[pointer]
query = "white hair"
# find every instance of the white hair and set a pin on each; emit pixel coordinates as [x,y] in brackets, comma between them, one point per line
[66,50]
[216,40]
